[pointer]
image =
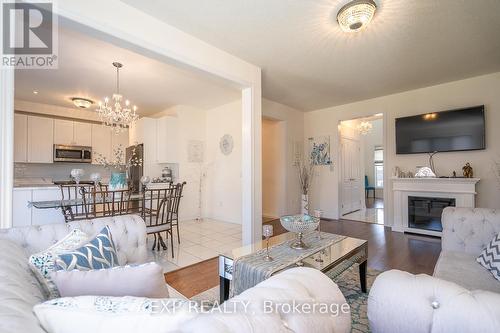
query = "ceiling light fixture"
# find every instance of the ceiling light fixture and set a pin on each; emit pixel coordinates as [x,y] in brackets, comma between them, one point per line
[355,15]
[113,113]
[35,92]
[82,103]
[365,127]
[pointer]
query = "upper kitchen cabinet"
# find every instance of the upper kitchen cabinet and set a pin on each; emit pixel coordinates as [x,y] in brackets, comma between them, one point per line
[20,138]
[101,142]
[168,140]
[67,132]
[144,131]
[120,140]
[82,134]
[40,139]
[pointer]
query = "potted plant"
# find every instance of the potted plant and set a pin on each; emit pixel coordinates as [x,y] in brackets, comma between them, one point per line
[118,179]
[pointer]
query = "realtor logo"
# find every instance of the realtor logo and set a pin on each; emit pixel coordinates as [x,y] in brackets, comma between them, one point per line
[29,37]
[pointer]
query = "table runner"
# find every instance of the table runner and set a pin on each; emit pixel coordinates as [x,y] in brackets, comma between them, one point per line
[251,269]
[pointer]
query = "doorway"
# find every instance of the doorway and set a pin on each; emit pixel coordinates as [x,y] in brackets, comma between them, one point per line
[273,169]
[362,169]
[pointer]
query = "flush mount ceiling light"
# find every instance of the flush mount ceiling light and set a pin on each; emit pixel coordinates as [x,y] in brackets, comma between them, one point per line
[82,103]
[356,15]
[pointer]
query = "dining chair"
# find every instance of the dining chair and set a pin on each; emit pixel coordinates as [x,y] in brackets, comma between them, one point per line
[106,203]
[74,192]
[368,187]
[177,192]
[156,211]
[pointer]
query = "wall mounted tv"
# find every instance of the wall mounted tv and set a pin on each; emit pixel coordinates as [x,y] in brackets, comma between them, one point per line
[455,130]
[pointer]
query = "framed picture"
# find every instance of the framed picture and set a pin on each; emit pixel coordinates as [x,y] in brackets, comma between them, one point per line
[319,150]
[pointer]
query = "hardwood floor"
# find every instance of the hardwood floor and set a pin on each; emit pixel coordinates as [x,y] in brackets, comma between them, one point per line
[374,203]
[386,250]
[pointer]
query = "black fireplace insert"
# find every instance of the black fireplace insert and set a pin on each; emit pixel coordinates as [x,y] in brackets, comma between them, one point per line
[425,213]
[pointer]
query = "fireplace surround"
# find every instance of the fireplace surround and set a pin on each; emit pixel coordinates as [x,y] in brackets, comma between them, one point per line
[418,202]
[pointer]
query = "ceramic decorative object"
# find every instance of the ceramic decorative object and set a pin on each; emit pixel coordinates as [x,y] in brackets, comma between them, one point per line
[468,171]
[299,224]
[425,172]
[304,207]
[226,144]
[118,181]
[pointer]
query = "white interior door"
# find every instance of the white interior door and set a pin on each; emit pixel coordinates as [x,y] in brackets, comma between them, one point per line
[351,176]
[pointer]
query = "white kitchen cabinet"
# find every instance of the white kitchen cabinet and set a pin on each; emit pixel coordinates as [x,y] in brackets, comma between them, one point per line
[40,139]
[145,131]
[20,138]
[63,132]
[67,132]
[120,140]
[21,213]
[50,215]
[101,142]
[168,140]
[82,134]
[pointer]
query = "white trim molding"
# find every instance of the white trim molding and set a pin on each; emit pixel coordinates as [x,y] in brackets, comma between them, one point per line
[463,190]
[6,139]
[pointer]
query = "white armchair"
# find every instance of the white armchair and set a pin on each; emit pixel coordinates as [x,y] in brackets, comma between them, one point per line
[461,296]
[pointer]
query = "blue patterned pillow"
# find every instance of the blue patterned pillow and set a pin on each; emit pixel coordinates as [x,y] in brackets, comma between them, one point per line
[98,253]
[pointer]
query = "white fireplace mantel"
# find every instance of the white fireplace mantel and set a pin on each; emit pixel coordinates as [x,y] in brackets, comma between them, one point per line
[463,190]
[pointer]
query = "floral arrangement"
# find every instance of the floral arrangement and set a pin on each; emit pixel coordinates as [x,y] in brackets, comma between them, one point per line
[306,173]
[118,157]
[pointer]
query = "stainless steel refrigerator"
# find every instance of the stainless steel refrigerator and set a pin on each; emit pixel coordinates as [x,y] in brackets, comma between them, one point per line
[135,172]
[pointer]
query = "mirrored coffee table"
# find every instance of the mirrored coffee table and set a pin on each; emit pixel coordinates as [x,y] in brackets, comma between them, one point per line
[334,259]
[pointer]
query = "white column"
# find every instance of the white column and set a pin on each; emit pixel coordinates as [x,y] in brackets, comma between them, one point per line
[251,165]
[6,143]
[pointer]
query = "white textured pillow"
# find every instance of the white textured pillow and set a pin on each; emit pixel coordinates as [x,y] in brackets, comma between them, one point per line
[145,280]
[113,314]
[490,257]
[43,263]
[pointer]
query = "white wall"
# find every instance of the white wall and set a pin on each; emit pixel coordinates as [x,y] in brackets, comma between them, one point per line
[223,188]
[273,166]
[474,91]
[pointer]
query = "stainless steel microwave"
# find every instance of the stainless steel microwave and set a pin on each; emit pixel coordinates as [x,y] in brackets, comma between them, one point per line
[73,154]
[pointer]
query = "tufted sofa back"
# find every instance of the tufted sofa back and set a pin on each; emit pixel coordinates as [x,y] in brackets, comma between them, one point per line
[469,230]
[128,232]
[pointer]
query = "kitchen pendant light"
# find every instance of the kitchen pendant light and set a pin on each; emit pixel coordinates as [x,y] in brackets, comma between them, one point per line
[116,113]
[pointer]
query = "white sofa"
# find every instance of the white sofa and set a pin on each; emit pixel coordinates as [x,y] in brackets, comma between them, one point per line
[461,296]
[20,290]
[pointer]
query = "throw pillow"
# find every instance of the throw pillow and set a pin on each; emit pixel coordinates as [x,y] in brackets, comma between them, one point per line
[145,280]
[98,253]
[490,257]
[113,314]
[43,263]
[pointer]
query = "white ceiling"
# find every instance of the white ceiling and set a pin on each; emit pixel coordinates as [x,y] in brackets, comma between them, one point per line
[309,63]
[85,70]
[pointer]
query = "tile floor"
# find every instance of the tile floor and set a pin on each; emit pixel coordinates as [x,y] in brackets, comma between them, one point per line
[200,240]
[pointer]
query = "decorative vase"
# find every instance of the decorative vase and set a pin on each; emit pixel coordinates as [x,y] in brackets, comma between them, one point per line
[305,204]
[118,181]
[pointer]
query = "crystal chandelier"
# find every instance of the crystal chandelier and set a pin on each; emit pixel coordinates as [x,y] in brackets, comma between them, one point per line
[356,15]
[113,112]
[365,127]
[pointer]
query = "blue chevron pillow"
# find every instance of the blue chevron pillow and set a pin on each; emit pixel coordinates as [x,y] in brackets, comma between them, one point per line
[98,253]
[490,257]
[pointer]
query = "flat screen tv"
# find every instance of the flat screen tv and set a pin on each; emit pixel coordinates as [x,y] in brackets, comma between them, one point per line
[455,130]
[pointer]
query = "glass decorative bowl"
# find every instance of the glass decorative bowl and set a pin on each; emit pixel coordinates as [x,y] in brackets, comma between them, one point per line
[299,224]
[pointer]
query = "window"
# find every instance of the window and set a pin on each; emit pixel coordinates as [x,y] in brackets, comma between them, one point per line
[378,158]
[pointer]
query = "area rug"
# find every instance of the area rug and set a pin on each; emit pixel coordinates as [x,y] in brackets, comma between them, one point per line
[348,283]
